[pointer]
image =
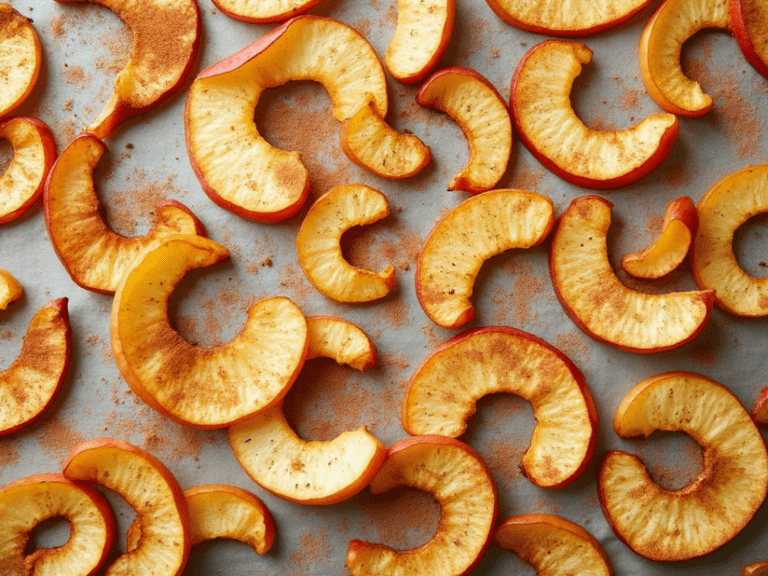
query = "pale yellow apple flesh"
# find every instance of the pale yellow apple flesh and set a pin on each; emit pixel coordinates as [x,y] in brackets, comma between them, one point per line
[331,337]
[10,289]
[748,18]
[264,11]
[20,58]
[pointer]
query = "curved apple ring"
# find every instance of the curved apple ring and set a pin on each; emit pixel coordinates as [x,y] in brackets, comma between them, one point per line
[97,257]
[165,40]
[442,394]
[10,289]
[746,19]
[477,229]
[22,57]
[270,184]
[264,11]
[274,456]
[29,501]
[723,497]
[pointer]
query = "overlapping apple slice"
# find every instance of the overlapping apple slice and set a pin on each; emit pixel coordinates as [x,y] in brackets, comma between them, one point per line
[443,391]
[760,411]
[604,308]
[264,12]
[748,19]
[30,384]
[165,40]
[29,501]
[95,256]
[462,485]
[315,472]
[319,250]
[236,166]
[675,525]
[727,205]
[34,151]
[22,57]
[477,229]
[10,289]
[548,126]
[151,490]
[478,108]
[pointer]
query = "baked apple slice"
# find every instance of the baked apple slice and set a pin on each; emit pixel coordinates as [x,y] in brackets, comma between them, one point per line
[477,229]
[269,184]
[264,12]
[599,304]
[669,250]
[165,41]
[22,57]
[201,387]
[319,250]
[34,151]
[97,257]
[748,19]
[760,411]
[443,391]
[541,109]
[30,384]
[10,289]
[756,569]
[675,525]
[480,111]
[462,485]
[29,501]
[315,472]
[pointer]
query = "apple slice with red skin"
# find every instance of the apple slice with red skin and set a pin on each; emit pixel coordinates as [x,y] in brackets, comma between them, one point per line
[748,18]
[34,151]
[756,569]
[442,393]
[760,411]
[10,289]
[269,184]
[669,250]
[30,384]
[201,387]
[553,545]
[29,501]
[165,41]
[264,11]
[462,485]
[151,490]
[477,229]
[477,107]
[599,304]
[22,57]
[541,109]
[676,525]
[315,472]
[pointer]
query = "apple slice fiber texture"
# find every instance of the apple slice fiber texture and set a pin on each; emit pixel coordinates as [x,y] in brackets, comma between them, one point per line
[748,18]
[21,58]
[10,289]
[264,11]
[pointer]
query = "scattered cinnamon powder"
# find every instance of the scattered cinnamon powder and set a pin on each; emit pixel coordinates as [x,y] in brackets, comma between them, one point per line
[9,455]
[631,98]
[477,33]
[76,76]
[7,335]
[57,438]
[363,25]
[292,277]
[138,200]
[527,176]
[514,302]
[503,458]
[315,549]
[573,344]
[404,518]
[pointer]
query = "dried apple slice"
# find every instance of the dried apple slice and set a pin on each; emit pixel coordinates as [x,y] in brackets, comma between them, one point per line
[165,40]
[727,205]
[29,501]
[478,108]
[264,12]
[756,569]
[30,384]
[10,289]
[97,257]
[443,391]
[541,110]
[675,525]
[553,545]
[34,151]
[599,304]
[748,18]
[201,387]
[477,229]
[274,456]
[22,55]
[462,485]
[151,490]
[760,411]
[669,250]
[319,250]
[268,184]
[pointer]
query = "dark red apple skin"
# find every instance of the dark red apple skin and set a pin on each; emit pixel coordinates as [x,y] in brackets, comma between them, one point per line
[760,403]
[271,19]
[683,209]
[743,39]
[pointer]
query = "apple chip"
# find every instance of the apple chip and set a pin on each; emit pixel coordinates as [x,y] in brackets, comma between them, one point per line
[264,11]
[20,57]
[748,18]
[756,569]
[760,411]
[10,289]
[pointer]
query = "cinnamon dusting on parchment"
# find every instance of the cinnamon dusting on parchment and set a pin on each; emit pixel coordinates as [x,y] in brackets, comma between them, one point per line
[138,201]
[9,455]
[573,344]
[58,437]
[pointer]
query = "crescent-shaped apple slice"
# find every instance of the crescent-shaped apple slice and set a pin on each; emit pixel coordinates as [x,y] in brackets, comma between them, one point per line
[34,151]
[10,289]
[553,545]
[22,56]
[676,525]
[477,229]
[30,384]
[264,11]
[165,39]
[443,391]
[756,569]
[201,387]
[319,250]
[604,308]
[480,111]
[151,490]
[29,501]
[540,102]
[748,18]
[727,205]
[462,485]
[95,256]
[269,184]
[274,456]
[668,251]
[661,44]
[760,411]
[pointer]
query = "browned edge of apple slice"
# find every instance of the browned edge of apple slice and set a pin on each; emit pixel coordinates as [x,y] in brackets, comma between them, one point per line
[22,58]
[760,410]
[756,569]
[10,289]
[748,19]
[264,11]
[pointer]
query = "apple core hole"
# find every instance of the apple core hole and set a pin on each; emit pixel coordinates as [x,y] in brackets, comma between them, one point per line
[750,246]
[365,247]
[51,533]
[673,460]
[6,155]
